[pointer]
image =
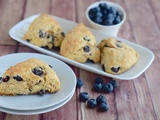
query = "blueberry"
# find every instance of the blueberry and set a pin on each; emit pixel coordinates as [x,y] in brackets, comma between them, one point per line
[94,10]
[0,79]
[42,34]
[41,92]
[37,71]
[110,16]
[6,79]
[98,14]
[104,12]
[103,6]
[98,80]
[108,87]
[114,83]
[18,78]
[98,20]
[103,107]
[97,9]
[115,69]
[83,96]
[101,99]
[91,16]
[79,83]
[91,103]
[86,48]
[117,20]
[118,13]
[63,34]
[97,87]
[112,11]
[108,22]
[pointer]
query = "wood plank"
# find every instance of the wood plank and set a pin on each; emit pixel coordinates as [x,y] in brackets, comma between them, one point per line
[155,6]
[81,6]
[36,7]
[8,7]
[152,75]
[26,49]
[66,112]
[4,49]
[63,9]
[21,117]
[145,28]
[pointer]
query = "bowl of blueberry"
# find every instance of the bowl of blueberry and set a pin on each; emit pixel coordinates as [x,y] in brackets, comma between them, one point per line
[106,17]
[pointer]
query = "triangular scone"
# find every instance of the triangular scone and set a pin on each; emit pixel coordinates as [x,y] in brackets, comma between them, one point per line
[44,31]
[80,45]
[116,56]
[32,76]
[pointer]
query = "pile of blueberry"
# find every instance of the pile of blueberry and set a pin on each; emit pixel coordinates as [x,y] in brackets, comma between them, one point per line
[106,88]
[105,15]
[98,86]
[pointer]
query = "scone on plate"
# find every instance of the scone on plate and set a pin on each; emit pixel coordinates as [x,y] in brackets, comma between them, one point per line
[80,45]
[116,56]
[32,76]
[45,31]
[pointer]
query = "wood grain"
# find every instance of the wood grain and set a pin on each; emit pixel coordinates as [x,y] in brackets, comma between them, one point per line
[132,100]
[11,15]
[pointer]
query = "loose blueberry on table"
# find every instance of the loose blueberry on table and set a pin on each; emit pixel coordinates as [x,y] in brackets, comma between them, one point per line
[79,83]
[97,87]
[91,103]
[108,87]
[101,99]
[103,107]
[98,80]
[105,15]
[83,96]
[114,83]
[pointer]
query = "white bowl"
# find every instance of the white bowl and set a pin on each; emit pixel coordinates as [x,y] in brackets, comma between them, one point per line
[112,29]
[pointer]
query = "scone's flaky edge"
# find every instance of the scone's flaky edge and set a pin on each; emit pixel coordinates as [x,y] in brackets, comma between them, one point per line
[45,31]
[79,44]
[116,56]
[29,77]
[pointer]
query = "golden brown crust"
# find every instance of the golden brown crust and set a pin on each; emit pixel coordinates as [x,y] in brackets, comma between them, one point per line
[29,77]
[116,57]
[80,45]
[44,31]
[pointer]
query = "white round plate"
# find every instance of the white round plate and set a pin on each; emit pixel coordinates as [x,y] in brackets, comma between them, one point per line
[40,111]
[34,102]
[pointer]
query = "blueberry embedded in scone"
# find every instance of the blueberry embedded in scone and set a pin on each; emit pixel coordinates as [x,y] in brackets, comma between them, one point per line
[32,76]
[45,31]
[116,56]
[80,45]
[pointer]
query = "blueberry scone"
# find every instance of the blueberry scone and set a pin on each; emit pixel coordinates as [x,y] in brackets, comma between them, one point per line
[32,76]
[45,31]
[116,56]
[80,45]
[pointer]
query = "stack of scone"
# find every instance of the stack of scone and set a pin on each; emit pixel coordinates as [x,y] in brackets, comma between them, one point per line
[79,44]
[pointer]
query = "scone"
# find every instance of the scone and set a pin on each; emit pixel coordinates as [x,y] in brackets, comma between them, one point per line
[32,76]
[80,45]
[44,31]
[116,56]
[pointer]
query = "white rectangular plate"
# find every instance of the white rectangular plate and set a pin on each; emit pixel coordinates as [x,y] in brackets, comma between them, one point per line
[146,56]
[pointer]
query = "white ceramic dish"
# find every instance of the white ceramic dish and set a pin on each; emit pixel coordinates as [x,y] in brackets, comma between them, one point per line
[146,56]
[34,102]
[39,111]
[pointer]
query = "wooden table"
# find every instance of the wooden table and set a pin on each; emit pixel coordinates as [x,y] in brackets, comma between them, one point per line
[138,99]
